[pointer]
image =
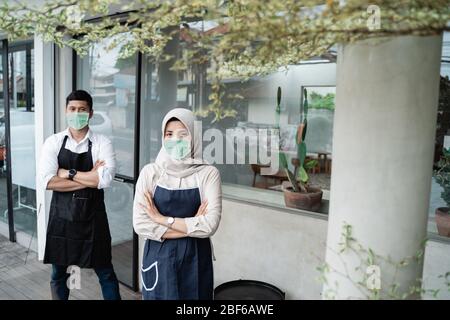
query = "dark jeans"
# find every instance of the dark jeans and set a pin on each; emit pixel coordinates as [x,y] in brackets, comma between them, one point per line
[106,276]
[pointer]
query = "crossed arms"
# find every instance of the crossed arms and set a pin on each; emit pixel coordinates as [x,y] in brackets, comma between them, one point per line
[178,228]
[82,180]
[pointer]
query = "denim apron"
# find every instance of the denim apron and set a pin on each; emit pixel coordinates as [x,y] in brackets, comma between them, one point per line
[78,231]
[177,268]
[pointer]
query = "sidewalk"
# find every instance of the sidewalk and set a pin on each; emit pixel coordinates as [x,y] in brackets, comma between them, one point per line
[23,277]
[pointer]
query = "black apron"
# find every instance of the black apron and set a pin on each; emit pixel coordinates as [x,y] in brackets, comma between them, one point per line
[78,231]
[177,268]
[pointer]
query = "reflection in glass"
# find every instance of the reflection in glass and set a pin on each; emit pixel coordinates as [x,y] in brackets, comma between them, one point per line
[442,138]
[119,205]
[23,166]
[164,89]
[112,83]
[3,186]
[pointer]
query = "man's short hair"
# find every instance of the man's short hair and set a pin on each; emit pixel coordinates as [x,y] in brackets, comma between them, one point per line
[80,95]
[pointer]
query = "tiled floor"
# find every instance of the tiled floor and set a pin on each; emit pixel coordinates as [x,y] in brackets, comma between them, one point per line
[23,277]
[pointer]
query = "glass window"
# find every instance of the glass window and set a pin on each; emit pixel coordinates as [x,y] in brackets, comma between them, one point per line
[111,81]
[23,166]
[257,111]
[440,195]
[164,89]
[119,207]
[3,181]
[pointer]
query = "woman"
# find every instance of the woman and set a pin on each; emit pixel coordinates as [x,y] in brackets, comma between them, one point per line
[177,207]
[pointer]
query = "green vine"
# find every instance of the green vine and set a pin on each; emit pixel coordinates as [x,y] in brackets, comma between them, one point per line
[367,257]
[248,37]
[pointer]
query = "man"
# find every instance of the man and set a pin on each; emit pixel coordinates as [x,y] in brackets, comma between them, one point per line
[77,164]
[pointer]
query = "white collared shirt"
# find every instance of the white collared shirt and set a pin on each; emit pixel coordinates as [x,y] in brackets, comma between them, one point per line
[102,149]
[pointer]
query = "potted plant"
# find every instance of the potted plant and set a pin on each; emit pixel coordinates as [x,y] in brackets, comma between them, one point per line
[300,194]
[442,175]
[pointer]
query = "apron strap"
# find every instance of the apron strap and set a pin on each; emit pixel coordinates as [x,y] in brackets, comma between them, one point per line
[90,151]
[64,142]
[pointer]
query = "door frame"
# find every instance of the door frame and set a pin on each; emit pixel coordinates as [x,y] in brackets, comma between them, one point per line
[7,48]
[6,99]
[122,178]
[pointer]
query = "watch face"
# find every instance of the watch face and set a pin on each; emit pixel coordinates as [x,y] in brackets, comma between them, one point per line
[171,220]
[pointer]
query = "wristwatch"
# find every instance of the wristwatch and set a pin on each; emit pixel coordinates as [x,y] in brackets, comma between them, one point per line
[170,221]
[72,173]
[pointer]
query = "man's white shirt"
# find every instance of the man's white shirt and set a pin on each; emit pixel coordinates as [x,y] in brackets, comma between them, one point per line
[102,149]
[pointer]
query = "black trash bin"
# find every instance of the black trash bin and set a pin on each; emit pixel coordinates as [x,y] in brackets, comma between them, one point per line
[247,290]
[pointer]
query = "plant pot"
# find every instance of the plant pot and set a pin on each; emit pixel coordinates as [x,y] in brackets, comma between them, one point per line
[443,221]
[307,201]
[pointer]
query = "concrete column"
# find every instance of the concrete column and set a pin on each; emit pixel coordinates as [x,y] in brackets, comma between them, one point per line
[44,126]
[383,142]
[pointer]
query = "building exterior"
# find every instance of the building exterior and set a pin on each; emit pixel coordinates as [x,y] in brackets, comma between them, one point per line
[375,169]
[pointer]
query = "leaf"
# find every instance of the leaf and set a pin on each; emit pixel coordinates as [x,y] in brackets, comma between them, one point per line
[301,153]
[299,136]
[304,129]
[278,96]
[305,103]
[283,160]
[278,108]
[302,175]
[311,164]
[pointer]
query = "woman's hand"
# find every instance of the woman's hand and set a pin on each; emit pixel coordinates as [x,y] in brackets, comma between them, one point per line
[151,209]
[202,209]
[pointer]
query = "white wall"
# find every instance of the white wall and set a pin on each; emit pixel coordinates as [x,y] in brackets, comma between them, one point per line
[274,246]
[44,115]
[262,110]
[284,249]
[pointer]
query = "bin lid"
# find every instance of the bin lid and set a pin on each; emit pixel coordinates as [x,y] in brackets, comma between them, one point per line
[247,290]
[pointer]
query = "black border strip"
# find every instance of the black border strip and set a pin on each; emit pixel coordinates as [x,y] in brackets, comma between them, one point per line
[5,60]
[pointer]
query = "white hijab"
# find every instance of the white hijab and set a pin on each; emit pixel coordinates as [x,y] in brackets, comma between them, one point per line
[189,165]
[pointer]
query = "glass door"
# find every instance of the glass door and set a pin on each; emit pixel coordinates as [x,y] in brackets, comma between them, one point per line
[22,130]
[112,82]
[6,205]
[17,147]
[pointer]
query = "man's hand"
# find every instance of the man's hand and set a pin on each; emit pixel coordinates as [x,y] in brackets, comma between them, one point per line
[202,209]
[98,164]
[63,173]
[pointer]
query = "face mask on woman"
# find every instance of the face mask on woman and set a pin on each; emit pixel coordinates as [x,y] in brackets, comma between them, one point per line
[177,148]
[77,120]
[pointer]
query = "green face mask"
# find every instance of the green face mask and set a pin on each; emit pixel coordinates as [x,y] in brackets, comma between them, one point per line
[177,149]
[77,120]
